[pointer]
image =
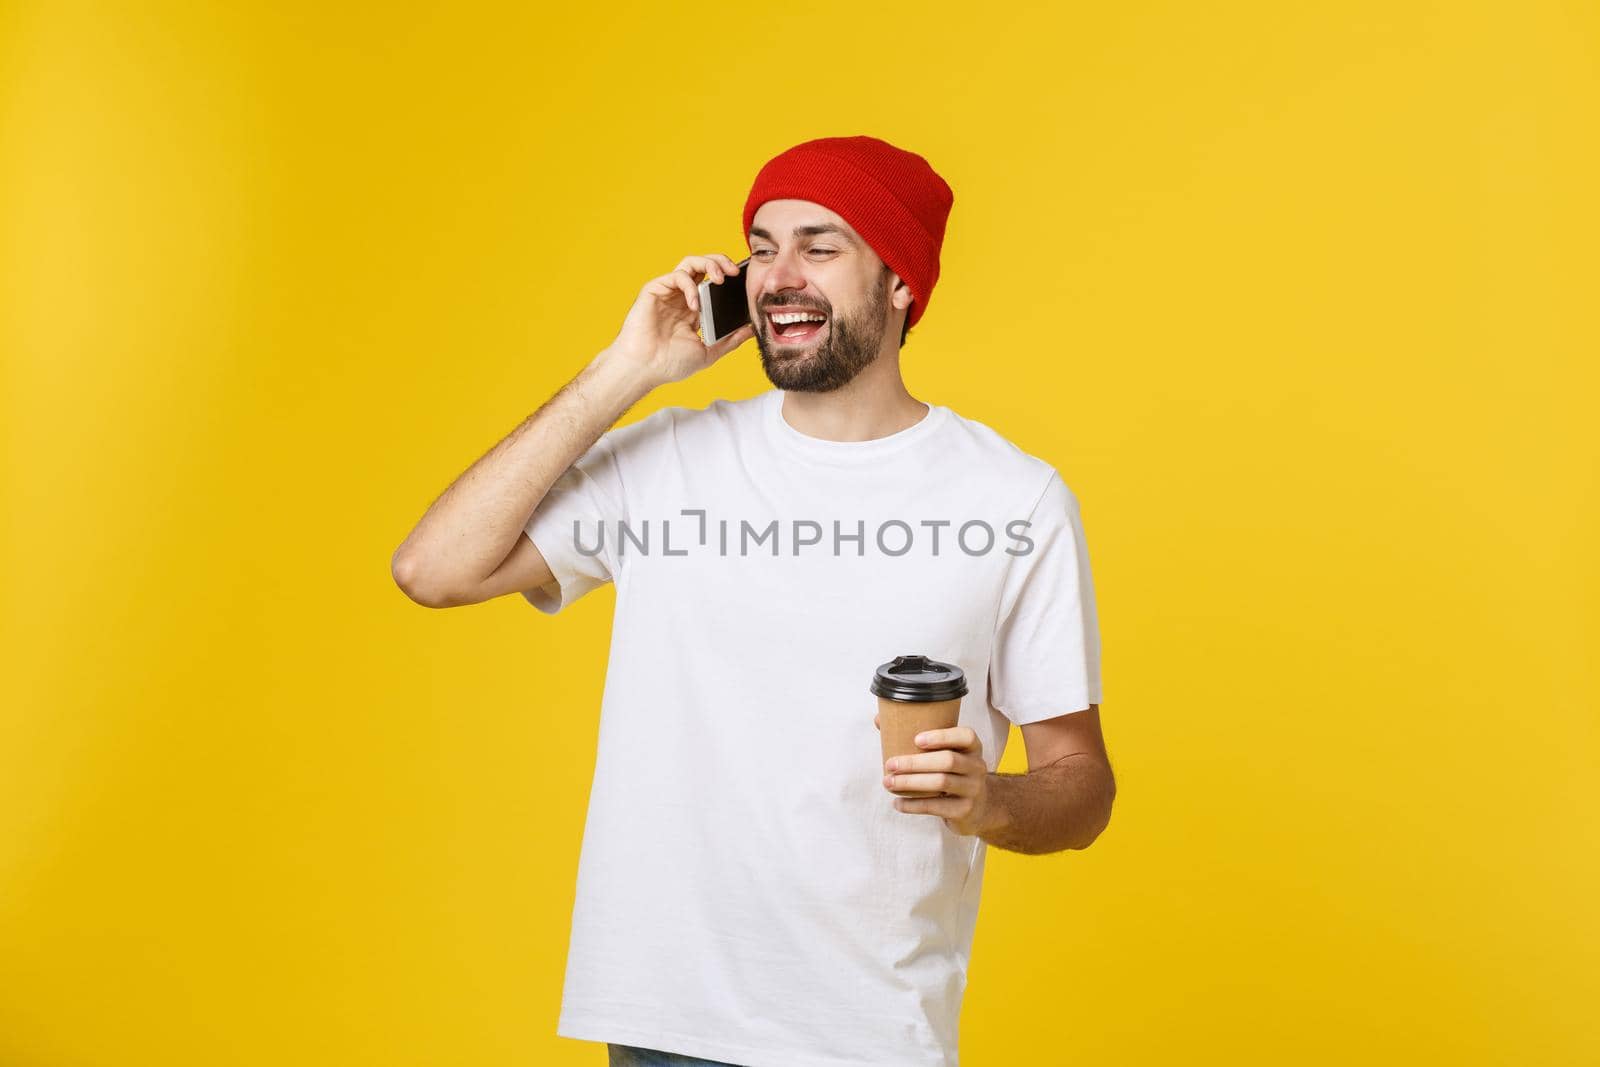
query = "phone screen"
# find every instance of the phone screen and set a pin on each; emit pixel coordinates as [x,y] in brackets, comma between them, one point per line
[726,308]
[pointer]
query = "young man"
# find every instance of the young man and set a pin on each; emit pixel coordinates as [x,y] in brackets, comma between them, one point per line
[749,889]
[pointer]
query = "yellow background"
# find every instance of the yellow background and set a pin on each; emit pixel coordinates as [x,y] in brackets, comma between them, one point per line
[1299,298]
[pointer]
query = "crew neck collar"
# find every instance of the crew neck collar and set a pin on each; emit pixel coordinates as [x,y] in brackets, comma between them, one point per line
[792,440]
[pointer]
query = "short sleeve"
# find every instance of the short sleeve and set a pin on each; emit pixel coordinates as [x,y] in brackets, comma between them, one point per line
[576,525]
[1046,659]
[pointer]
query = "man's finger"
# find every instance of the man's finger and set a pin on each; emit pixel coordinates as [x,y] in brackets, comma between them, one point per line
[958,785]
[701,266]
[947,807]
[685,281]
[962,737]
[682,282]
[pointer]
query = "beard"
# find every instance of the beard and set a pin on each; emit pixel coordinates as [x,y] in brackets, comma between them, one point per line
[852,343]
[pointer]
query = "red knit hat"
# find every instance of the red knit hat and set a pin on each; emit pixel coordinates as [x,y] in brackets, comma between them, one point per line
[891,197]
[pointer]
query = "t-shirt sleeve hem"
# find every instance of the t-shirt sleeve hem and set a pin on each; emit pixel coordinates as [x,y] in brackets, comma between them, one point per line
[567,583]
[1024,712]
[547,598]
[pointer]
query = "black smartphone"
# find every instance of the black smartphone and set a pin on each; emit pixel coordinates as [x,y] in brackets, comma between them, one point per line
[723,306]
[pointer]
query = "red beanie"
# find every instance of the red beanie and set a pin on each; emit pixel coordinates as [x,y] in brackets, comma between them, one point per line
[889,196]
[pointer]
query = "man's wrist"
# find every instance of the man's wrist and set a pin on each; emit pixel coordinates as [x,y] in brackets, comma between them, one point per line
[996,815]
[619,377]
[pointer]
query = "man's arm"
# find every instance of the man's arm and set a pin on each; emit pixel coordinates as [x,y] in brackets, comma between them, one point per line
[466,547]
[1064,800]
[475,524]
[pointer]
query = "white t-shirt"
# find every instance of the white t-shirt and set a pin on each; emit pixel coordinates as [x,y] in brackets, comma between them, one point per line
[746,890]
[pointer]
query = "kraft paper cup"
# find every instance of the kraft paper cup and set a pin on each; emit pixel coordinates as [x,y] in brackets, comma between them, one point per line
[915,694]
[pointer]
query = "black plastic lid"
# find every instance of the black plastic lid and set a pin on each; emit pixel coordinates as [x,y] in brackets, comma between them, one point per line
[918,678]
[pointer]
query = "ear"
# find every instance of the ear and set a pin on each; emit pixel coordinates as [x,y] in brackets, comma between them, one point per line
[900,294]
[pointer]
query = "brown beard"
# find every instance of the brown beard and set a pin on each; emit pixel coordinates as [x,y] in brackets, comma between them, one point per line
[850,347]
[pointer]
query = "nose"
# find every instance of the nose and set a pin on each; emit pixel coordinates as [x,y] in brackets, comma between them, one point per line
[783,274]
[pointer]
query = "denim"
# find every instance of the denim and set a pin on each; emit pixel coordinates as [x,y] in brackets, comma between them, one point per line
[632,1056]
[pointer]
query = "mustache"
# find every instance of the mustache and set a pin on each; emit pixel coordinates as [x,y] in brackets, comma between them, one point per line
[770,304]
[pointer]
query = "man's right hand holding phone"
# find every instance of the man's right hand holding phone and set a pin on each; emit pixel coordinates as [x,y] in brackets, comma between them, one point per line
[660,337]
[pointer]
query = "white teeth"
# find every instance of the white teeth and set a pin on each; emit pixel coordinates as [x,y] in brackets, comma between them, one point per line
[798,316]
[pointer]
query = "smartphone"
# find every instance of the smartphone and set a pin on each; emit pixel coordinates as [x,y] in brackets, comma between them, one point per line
[723,306]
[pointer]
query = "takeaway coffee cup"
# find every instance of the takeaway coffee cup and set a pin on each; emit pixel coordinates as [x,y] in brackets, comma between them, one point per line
[915,693]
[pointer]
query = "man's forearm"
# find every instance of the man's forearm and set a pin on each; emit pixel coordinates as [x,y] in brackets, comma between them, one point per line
[474,524]
[1063,806]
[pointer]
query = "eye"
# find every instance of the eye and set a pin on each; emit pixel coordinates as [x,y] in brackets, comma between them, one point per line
[825,251]
[762,252]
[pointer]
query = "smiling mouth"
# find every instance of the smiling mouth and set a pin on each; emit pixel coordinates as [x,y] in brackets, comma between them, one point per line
[795,333]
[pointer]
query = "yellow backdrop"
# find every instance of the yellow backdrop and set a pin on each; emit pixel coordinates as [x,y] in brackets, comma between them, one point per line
[1299,298]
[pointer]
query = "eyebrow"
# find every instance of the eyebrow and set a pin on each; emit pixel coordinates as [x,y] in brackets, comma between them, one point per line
[806,231]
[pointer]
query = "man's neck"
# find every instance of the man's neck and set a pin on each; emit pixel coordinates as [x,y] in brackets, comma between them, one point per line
[869,407]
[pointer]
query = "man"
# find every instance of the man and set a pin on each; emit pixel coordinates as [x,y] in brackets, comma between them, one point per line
[749,891]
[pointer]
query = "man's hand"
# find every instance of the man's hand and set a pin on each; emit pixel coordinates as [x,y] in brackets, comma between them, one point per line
[951,761]
[660,336]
